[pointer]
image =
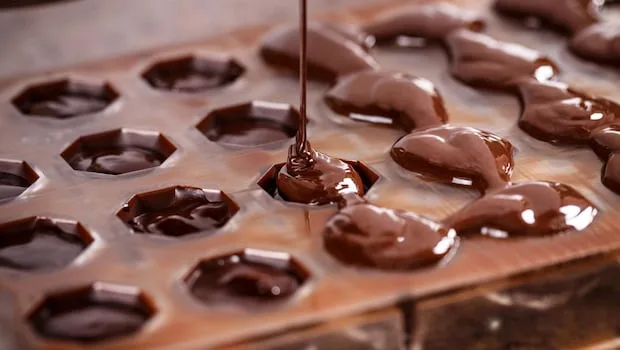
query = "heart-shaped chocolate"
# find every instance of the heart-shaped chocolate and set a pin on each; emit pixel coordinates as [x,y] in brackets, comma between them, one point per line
[556,113]
[388,98]
[527,209]
[598,43]
[456,155]
[606,141]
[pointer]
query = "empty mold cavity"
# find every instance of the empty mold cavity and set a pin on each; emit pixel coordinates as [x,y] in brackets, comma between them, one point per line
[64,99]
[191,74]
[249,278]
[268,180]
[251,124]
[178,211]
[15,178]
[118,151]
[40,244]
[94,313]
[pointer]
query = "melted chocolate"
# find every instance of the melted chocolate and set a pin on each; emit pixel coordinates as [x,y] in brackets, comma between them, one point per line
[366,235]
[481,61]
[606,144]
[388,98]
[332,51]
[117,160]
[12,185]
[528,209]
[432,22]
[458,155]
[553,112]
[599,43]
[568,15]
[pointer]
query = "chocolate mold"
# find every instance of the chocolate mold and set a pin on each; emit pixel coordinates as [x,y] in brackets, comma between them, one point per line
[251,124]
[119,151]
[193,73]
[15,178]
[40,244]
[178,211]
[250,278]
[63,99]
[96,313]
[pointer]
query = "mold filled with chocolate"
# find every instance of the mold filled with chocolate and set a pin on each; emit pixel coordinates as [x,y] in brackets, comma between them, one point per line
[15,178]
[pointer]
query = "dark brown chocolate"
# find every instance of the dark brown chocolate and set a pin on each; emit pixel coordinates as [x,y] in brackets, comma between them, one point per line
[568,15]
[599,43]
[12,185]
[429,22]
[332,52]
[483,62]
[554,112]
[362,234]
[457,155]
[388,98]
[606,144]
[527,209]
[117,160]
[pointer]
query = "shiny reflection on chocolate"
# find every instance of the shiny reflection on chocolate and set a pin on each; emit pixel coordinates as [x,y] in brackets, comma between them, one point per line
[599,43]
[556,113]
[12,185]
[332,51]
[320,182]
[483,62]
[458,155]
[388,98]
[366,235]
[426,22]
[568,15]
[117,160]
[606,144]
[527,209]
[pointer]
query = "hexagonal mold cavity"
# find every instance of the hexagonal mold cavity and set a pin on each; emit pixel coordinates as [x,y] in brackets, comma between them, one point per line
[94,313]
[251,124]
[15,178]
[250,278]
[178,211]
[62,99]
[268,180]
[119,151]
[191,74]
[40,244]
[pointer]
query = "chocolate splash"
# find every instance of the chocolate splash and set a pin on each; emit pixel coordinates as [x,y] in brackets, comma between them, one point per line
[598,43]
[457,155]
[568,15]
[527,209]
[388,98]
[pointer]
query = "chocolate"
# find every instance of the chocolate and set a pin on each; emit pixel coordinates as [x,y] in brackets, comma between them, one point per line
[332,51]
[429,22]
[599,43]
[388,98]
[366,235]
[117,160]
[611,173]
[12,185]
[568,15]
[606,144]
[553,112]
[457,155]
[8,4]
[527,209]
[483,62]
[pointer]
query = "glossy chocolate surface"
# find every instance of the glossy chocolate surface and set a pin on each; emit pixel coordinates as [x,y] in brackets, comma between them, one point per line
[606,144]
[117,160]
[432,22]
[12,185]
[526,209]
[568,15]
[599,43]
[388,98]
[458,155]
[554,112]
[332,52]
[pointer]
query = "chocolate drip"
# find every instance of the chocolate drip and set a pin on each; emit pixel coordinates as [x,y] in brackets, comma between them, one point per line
[481,61]
[332,51]
[556,113]
[568,15]
[528,209]
[365,235]
[117,160]
[388,98]
[431,22]
[606,144]
[11,185]
[457,155]
[599,43]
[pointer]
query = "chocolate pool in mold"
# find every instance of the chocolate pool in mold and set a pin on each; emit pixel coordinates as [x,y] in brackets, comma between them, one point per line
[249,278]
[94,313]
[119,151]
[192,74]
[178,211]
[251,124]
[65,98]
[15,177]
[40,244]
